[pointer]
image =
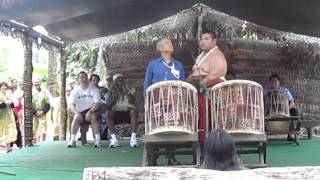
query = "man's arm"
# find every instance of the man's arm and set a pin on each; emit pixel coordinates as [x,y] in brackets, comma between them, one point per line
[73,108]
[217,69]
[96,99]
[147,77]
[182,74]
[291,104]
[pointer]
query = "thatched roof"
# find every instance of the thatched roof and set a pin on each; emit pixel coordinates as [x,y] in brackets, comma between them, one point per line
[76,20]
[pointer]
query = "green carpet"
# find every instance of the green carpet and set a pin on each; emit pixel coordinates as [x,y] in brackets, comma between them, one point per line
[51,160]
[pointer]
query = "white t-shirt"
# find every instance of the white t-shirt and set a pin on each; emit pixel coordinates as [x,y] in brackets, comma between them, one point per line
[85,98]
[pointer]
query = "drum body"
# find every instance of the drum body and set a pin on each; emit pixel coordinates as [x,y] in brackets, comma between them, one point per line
[276,105]
[237,107]
[171,107]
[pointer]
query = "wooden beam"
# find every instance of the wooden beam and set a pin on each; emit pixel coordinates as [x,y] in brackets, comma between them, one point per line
[34,34]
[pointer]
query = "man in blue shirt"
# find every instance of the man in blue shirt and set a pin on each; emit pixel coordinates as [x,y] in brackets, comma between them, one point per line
[165,67]
[162,69]
[274,81]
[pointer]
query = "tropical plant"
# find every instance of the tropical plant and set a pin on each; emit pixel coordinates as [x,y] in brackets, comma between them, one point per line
[81,58]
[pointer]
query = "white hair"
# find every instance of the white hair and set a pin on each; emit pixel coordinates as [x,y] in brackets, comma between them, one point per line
[159,44]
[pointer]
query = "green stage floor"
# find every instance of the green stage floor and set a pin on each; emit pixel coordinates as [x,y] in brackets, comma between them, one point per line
[51,160]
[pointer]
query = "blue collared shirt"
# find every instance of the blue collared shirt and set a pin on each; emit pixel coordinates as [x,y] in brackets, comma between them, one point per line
[283,89]
[157,71]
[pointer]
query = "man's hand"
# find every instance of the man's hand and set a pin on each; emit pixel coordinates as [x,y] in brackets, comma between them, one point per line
[203,89]
[39,113]
[88,116]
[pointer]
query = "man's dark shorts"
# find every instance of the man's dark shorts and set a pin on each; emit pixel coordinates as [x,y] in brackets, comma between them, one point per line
[121,117]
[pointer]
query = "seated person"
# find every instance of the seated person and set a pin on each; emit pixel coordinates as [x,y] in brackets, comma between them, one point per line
[220,152]
[121,99]
[84,102]
[94,81]
[274,81]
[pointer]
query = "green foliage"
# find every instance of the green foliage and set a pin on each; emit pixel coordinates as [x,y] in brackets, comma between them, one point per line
[141,37]
[250,35]
[81,58]
[4,55]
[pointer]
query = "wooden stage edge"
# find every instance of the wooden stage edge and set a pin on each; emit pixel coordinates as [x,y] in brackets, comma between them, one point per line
[116,173]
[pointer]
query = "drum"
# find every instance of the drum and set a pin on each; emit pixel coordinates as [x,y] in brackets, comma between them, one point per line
[171,107]
[276,105]
[237,107]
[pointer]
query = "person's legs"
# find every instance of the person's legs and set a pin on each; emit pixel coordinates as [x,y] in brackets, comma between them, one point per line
[84,127]
[293,112]
[133,122]
[113,141]
[74,129]
[110,122]
[95,129]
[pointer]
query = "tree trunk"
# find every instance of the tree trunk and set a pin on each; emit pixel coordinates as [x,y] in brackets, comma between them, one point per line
[63,115]
[27,88]
[52,78]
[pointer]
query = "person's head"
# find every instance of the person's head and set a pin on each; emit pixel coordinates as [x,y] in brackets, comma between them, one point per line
[69,88]
[274,80]
[37,84]
[165,46]
[20,82]
[4,87]
[14,83]
[220,150]
[83,78]
[109,81]
[208,40]
[230,75]
[118,79]
[95,79]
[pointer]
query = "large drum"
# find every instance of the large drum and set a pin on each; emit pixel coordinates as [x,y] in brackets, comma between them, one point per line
[237,106]
[171,107]
[276,105]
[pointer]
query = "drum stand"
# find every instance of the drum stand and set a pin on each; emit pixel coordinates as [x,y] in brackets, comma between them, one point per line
[252,144]
[295,129]
[171,145]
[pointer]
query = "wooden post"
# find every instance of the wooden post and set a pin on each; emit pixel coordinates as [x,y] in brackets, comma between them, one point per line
[27,89]
[63,114]
[52,77]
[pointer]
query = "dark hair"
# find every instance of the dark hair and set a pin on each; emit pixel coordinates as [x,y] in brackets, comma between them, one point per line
[94,75]
[81,72]
[274,76]
[220,151]
[212,33]
[4,84]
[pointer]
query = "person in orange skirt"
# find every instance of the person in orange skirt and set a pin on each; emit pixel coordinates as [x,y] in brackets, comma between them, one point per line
[209,69]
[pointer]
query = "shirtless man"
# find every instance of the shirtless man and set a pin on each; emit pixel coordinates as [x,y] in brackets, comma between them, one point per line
[211,65]
[210,68]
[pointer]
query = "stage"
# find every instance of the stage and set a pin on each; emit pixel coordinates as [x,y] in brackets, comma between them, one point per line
[51,160]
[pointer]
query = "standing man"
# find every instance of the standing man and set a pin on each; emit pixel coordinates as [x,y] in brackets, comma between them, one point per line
[209,69]
[164,67]
[40,107]
[84,103]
